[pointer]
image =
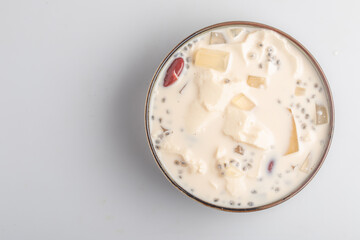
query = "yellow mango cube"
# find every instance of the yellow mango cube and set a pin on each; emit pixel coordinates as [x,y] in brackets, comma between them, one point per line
[321,115]
[293,142]
[209,58]
[305,167]
[217,38]
[299,91]
[256,82]
[243,102]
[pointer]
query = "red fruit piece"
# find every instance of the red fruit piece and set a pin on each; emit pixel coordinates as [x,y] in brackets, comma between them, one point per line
[270,166]
[174,71]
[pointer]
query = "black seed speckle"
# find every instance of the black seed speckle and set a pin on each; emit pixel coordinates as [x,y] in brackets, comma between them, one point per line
[250,204]
[152,117]
[183,163]
[177,162]
[216,199]
[231,202]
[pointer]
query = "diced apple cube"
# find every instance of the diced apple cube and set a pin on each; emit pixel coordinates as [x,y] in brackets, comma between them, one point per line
[321,115]
[215,59]
[243,102]
[299,91]
[305,167]
[256,82]
[233,172]
[235,32]
[293,142]
[221,152]
[217,38]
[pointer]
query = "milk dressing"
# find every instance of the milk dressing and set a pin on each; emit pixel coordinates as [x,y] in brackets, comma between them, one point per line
[243,119]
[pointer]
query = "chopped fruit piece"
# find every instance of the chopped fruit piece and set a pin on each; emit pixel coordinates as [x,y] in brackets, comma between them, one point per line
[243,128]
[233,172]
[305,167]
[299,91]
[256,82]
[217,38]
[321,115]
[221,152]
[214,184]
[210,92]
[174,71]
[243,102]
[214,59]
[293,142]
[235,32]
[239,149]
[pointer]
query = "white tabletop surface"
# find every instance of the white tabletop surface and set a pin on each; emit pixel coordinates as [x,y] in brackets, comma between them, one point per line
[74,161]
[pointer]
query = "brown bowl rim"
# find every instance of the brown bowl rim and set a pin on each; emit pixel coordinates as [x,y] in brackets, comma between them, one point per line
[320,72]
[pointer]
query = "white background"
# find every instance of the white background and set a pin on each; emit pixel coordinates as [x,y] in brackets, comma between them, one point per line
[74,162]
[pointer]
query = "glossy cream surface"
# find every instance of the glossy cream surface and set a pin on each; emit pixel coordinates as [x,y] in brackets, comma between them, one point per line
[235,154]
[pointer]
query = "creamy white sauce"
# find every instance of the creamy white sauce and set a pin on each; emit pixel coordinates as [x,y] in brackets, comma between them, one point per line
[198,132]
